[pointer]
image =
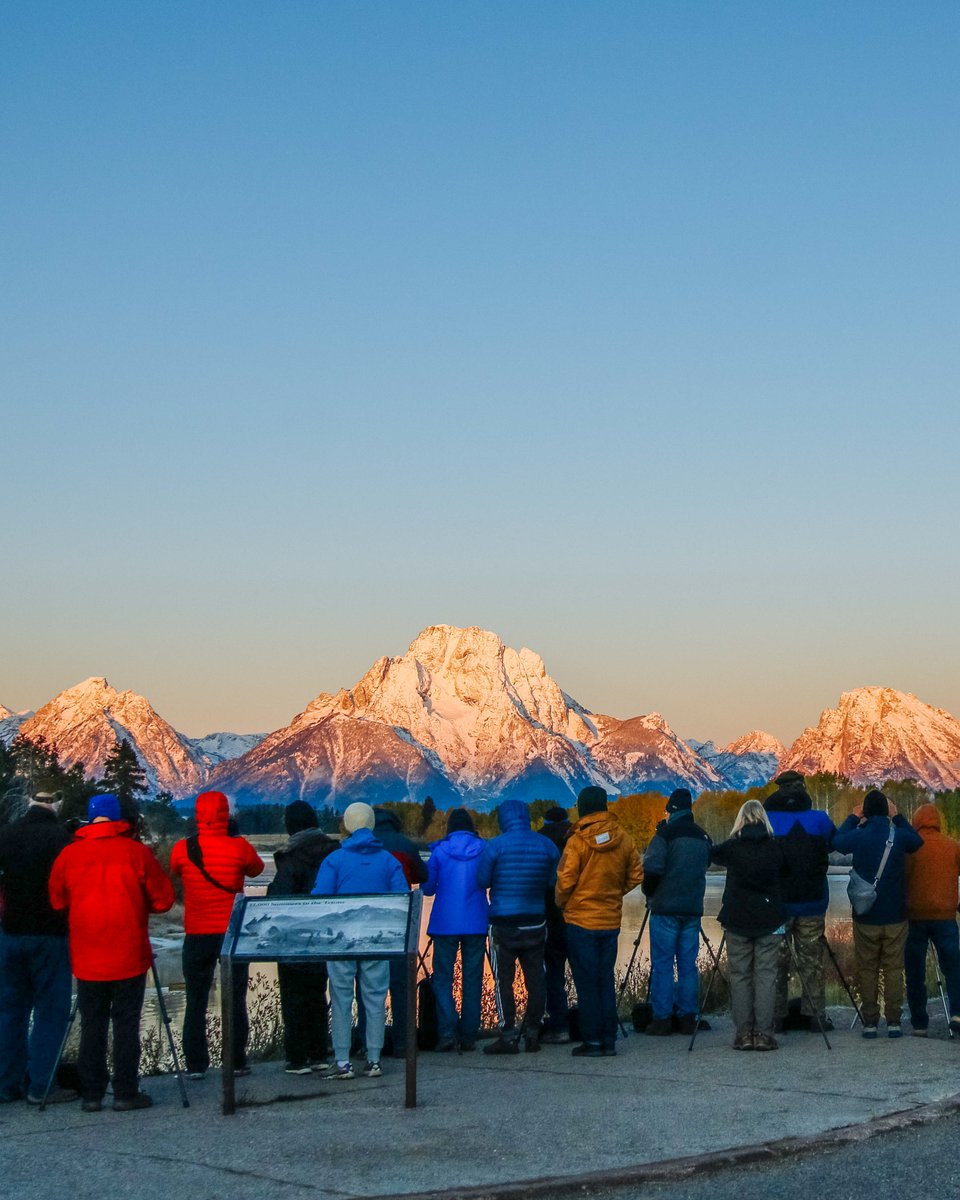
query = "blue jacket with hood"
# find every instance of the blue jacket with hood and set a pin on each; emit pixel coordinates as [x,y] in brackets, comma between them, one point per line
[517,867]
[360,867]
[866,842]
[461,904]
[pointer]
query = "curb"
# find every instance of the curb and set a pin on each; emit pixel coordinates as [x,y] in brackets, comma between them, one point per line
[673,1170]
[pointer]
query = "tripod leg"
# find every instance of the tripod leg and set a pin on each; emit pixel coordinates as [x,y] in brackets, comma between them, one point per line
[626,978]
[710,950]
[165,1017]
[943,997]
[63,1046]
[806,991]
[713,974]
[846,986]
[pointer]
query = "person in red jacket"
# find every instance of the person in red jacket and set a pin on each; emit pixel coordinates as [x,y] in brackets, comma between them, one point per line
[109,883]
[213,865]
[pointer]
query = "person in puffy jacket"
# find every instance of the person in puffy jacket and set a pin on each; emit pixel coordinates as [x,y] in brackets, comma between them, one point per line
[600,864]
[932,897]
[517,867]
[806,835]
[303,986]
[109,884]
[213,865]
[458,920]
[752,914]
[360,867]
[879,934]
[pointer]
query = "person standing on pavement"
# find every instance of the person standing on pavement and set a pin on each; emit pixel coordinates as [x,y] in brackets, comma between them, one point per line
[872,834]
[517,867]
[360,867]
[458,920]
[303,986]
[600,864]
[752,914]
[35,977]
[556,1024]
[805,834]
[932,898]
[213,865]
[674,881]
[109,884]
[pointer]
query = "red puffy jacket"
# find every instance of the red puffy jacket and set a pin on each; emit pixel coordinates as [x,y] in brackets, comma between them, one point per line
[109,885]
[229,860]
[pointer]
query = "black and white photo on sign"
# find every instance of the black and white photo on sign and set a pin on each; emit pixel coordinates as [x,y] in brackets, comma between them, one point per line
[334,926]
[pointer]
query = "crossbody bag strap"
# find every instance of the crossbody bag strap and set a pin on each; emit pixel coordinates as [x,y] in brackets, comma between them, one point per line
[886,854]
[195,855]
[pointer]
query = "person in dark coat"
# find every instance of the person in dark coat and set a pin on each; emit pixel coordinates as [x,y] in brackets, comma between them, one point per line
[517,867]
[35,978]
[556,1024]
[806,835]
[303,986]
[880,934]
[458,920]
[752,916]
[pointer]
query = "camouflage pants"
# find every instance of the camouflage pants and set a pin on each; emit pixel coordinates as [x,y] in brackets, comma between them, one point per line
[806,936]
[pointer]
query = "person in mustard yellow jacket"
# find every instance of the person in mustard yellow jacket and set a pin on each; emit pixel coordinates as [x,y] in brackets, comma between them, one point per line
[600,864]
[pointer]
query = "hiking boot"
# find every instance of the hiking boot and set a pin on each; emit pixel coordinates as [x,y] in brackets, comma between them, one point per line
[294,1068]
[340,1071]
[372,1070]
[869,1031]
[765,1041]
[557,1037]
[91,1105]
[140,1100]
[688,1024]
[502,1045]
[743,1041]
[894,1031]
[57,1095]
[660,1028]
[587,1050]
[531,1044]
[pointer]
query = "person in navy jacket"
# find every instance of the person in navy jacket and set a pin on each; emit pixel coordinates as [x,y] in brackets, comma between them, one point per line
[458,919]
[880,934]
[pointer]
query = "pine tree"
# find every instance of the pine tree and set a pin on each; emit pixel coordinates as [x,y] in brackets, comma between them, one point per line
[126,779]
[429,810]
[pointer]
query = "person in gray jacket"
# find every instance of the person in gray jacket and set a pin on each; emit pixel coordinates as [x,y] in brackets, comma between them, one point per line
[674,881]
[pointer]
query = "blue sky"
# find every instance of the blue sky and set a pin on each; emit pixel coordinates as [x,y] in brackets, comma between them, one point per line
[628,331]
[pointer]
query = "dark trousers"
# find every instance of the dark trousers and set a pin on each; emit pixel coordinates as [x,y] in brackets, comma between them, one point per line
[593,958]
[306,1013]
[555,978]
[464,1028]
[509,946]
[946,942]
[35,981]
[120,1002]
[398,1007]
[201,953]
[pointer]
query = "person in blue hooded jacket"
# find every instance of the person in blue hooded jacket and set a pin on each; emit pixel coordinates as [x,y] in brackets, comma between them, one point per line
[517,867]
[360,867]
[458,919]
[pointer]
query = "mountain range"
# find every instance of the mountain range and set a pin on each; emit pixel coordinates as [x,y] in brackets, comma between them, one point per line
[465,719]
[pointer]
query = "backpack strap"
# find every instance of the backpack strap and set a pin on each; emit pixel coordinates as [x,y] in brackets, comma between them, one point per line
[195,854]
[886,854]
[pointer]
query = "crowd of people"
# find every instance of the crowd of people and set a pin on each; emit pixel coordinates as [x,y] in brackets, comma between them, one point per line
[78,907]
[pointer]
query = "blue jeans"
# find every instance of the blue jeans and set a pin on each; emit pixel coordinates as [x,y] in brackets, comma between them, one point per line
[34,978]
[946,942]
[466,1027]
[674,939]
[593,957]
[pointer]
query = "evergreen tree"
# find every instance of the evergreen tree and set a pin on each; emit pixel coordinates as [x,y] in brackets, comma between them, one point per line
[429,811]
[126,779]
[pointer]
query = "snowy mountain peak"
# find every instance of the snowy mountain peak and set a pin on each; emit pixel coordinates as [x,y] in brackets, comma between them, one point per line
[757,742]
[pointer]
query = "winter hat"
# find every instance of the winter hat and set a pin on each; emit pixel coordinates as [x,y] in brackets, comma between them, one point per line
[591,800]
[875,804]
[460,821]
[106,806]
[788,777]
[680,800]
[299,816]
[358,816]
[556,814]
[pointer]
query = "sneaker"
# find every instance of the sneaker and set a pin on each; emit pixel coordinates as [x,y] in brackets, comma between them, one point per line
[919,1032]
[869,1031]
[587,1050]
[318,1064]
[660,1028]
[765,1041]
[140,1100]
[554,1037]
[57,1095]
[91,1106]
[894,1031]
[340,1071]
[503,1045]
[531,1044]
[196,1075]
[743,1041]
[372,1070]
[297,1069]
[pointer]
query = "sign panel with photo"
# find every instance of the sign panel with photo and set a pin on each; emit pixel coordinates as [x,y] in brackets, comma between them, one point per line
[285,928]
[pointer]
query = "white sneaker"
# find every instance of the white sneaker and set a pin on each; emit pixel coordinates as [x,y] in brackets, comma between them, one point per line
[372,1070]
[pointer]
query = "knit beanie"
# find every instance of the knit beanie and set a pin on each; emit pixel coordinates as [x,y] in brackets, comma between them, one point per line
[788,778]
[680,800]
[460,821]
[591,800]
[875,804]
[106,805]
[358,816]
[556,814]
[299,816]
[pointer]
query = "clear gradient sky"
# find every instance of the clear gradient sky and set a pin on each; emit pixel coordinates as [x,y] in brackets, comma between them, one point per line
[626,330]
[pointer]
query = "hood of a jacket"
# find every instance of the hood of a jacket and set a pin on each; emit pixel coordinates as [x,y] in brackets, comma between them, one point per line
[926,817]
[754,832]
[601,831]
[513,815]
[791,796]
[103,829]
[304,838]
[462,845]
[362,842]
[213,812]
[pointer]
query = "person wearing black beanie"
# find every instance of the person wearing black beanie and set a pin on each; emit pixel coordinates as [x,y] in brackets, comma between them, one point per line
[460,821]
[299,816]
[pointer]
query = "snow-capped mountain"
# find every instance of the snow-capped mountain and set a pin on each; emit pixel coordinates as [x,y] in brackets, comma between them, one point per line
[750,761]
[877,733]
[10,723]
[216,748]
